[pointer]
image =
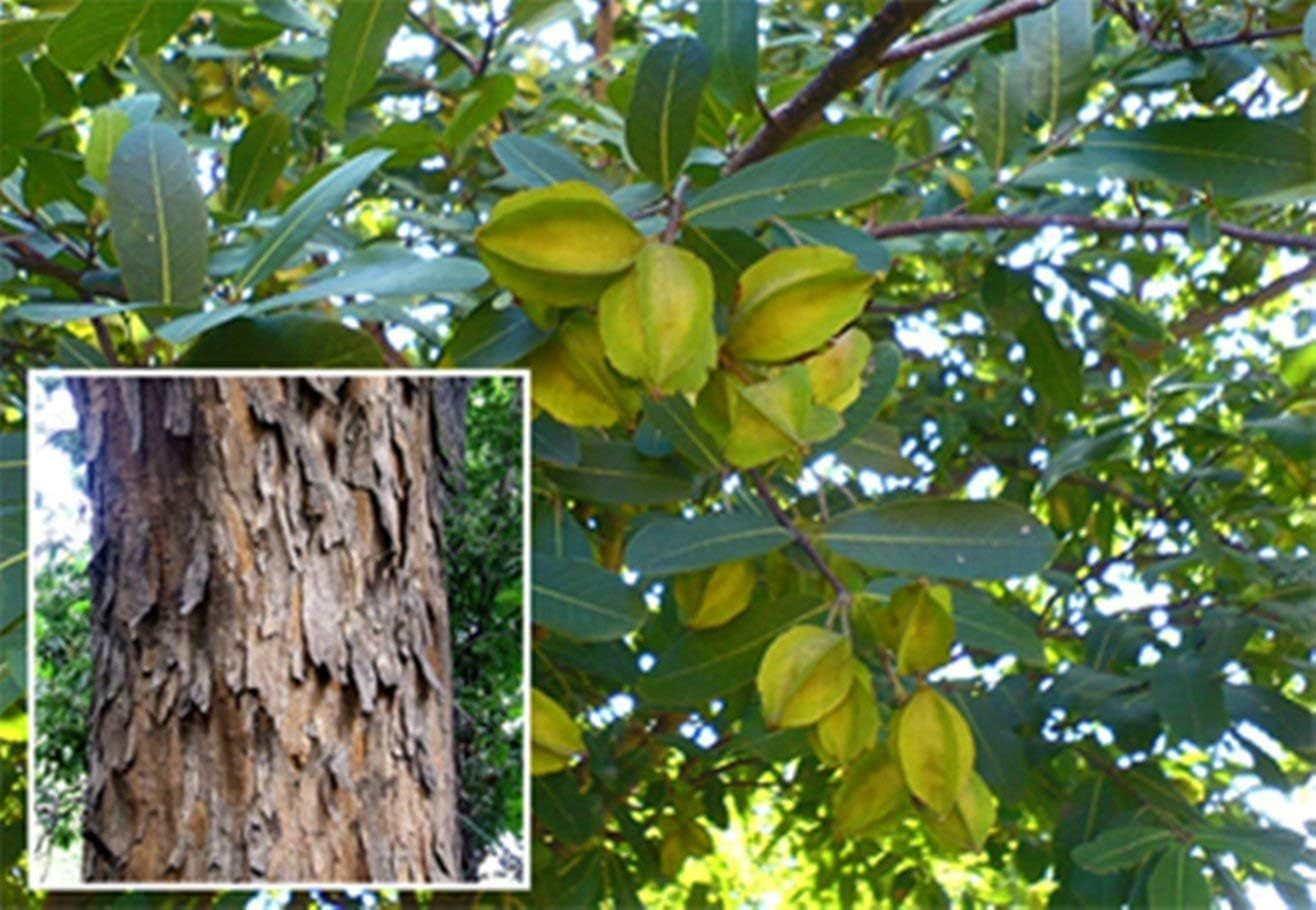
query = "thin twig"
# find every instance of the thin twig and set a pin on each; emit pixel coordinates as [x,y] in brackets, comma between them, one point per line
[465,56]
[954,35]
[675,209]
[1198,321]
[778,515]
[938,224]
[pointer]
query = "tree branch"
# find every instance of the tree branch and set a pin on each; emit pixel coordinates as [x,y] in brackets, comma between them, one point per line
[465,56]
[25,257]
[1198,321]
[954,35]
[938,224]
[765,494]
[845,70]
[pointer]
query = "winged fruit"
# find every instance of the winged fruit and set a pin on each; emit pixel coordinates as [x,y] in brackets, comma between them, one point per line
[554,737]
[805,673]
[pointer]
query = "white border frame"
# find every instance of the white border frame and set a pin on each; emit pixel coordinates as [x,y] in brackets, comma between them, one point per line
[524,883]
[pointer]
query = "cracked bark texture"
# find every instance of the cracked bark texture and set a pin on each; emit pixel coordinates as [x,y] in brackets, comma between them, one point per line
[273,695]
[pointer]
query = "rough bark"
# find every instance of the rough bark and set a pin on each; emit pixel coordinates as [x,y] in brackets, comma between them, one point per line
[273,683]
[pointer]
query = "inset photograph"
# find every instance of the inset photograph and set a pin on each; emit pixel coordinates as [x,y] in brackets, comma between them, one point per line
[279,629]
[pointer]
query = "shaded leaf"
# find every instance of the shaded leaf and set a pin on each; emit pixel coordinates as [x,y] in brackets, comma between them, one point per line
[614,473]
[660,124]
[1119,848]
[286,340]
[670,544]
[729,29]
[531,161]
[494,337]
[579,599]
[257,160]
[358,42]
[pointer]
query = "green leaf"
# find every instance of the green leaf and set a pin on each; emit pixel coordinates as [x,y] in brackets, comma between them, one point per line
[1076,453]
[869,254]
[729,29]
[257,160]
[983,625]
[817,177]
[1178,880]
[23,109]
[877,388]
[1119,848]
[59,313]
[358,42]
[485,101]
[1309,31]
[95,31]
[492,337]
[13,725]
[1054,369]
[286,340]
[669,544]
[703,665]
[531,161]
[613,473]
[554,442]
[1278,849]
[18,36]
[108,127]
[675,419]
[1055,46]
[944,538]
[573,817]
[1292,434]
[13,524]
[1232,157]
[877,449]
[1287,721]
[555,531]
[157,217]
[305,216]
[999,107]
[385,270]
[579,599]
[999,752]
[660,125]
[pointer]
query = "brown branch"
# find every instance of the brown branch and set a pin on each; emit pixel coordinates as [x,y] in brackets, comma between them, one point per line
[765,494]
[847,68]
[25,257]
[954,35]
[938,224]
[1198,321]
[676,208]
[465,56]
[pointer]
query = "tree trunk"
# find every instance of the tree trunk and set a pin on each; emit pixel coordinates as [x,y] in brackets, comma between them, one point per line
[273,697]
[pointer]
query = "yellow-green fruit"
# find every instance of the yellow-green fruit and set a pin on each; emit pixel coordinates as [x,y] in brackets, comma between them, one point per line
[706,600]
[791,301]
[554,737]
[850,729]
[558,245]
[765,420]
[572,381]
[967,825]
[681,841]
[657,320]
[934,748]
[872,795]
[835,373]
[926,629]
[804,674]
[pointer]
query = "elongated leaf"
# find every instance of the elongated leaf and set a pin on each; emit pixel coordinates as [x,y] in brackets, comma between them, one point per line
[157,217]
[613,473]
[23,108]
[555,531]
[672,544]
[1233,157]
[1055,46]
[286,340]
[492,337]
[1276,848]
[1077,453]
[358,42]
[729,29]
[703,665]
[95,30]
[486,100]
[1287,721]
[1056,370]
[532,161]
[999,752]
[675,419]
[999,106]
[1309,31]
[869,254]
[20,35]
[946,538]
[582,600]
[660,124]
[1190,698]
[877,449]
[983,625]
[385,270]
[1178,880]
[257,160]
[306,214]
[108,127]
[13,528]
[553,442]
[817,177]
[1119,848]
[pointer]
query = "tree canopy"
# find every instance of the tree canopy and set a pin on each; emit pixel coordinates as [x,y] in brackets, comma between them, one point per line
[924,420]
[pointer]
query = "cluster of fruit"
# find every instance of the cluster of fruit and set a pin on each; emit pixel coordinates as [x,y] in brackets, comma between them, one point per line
[632,315]
[809,677]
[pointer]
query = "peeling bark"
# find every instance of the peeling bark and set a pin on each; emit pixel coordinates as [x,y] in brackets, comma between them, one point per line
[273,682]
